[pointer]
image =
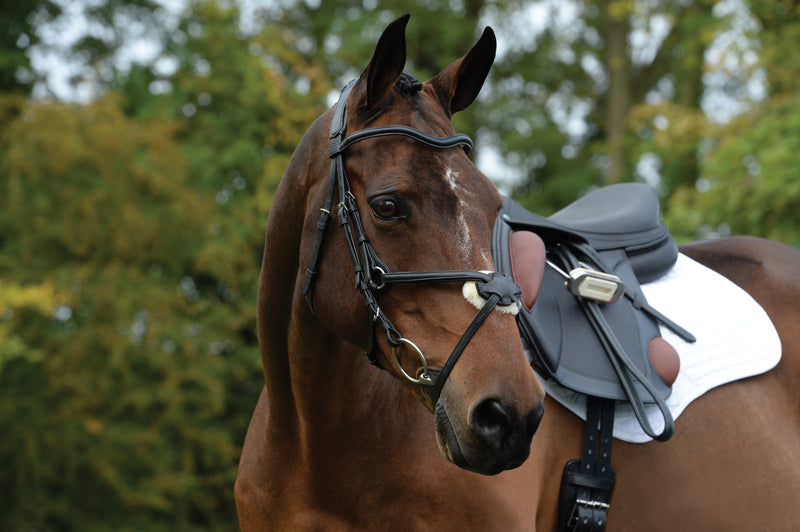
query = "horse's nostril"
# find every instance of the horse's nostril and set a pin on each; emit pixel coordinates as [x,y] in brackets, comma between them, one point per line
[496,426]
[491,422]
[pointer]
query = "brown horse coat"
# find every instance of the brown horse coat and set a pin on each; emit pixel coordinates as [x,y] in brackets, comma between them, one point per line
[336,444]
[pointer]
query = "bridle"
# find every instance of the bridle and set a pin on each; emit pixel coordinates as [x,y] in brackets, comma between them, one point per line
[372,274]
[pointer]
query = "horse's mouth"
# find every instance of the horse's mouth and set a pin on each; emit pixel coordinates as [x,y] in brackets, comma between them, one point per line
[472,456]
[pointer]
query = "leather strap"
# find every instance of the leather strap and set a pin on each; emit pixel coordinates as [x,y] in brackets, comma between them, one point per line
[588,484]
[636,299]
[406,131]
[337,131]
[625,369]
[435,391]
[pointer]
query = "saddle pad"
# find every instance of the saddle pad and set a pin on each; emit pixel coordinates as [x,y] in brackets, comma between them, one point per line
[735,339]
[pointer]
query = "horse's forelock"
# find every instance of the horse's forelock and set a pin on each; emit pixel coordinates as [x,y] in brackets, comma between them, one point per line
[408,84]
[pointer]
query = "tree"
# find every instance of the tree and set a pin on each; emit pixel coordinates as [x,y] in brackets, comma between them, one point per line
[584,89]
[574,91]
[748,181]
[131,230]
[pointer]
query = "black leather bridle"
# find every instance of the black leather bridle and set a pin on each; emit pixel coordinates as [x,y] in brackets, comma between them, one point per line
[372,274]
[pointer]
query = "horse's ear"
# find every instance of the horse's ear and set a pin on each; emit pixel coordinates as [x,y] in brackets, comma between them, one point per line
[459,84]
[387,63]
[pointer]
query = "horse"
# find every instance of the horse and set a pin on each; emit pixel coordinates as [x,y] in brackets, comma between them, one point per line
[401,403]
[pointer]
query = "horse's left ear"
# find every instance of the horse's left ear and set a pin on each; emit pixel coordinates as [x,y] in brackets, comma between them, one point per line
[386,65]
[459,84]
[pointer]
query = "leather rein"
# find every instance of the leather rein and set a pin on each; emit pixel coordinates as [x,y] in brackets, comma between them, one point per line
[372,274]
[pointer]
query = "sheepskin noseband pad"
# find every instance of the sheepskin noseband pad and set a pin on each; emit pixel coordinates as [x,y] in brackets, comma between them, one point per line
[477,292]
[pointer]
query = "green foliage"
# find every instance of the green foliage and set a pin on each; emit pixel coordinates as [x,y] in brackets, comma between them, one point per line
[571,95]
[131,237]
[124,409]
[749,182]
[131,228]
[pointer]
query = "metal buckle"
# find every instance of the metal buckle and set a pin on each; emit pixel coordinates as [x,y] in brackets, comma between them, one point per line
[382,285]
[573,517]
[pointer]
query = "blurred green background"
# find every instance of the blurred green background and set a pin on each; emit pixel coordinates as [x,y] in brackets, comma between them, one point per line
[141,143]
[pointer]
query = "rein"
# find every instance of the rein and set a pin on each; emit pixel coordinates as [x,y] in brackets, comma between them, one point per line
[372,274]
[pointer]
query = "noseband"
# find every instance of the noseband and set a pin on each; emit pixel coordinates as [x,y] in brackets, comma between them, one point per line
[372,274]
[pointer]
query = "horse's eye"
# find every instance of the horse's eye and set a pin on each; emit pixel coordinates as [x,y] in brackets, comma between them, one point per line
[385,208]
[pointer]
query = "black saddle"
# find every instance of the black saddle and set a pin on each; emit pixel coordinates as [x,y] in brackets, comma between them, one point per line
[587,324]
[617,231]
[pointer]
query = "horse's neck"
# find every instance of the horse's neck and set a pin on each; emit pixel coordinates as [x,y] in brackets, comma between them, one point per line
[342,407]
[276,286]
[320,388]
[337,394]
[275,289]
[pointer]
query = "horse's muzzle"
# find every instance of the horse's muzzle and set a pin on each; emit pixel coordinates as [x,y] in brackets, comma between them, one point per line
[494,439]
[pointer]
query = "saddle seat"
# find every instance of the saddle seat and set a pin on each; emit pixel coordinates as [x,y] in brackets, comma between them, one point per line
[622,216]
[626,212]
[616,230]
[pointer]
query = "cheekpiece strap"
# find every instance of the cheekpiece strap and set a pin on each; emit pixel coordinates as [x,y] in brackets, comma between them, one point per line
[337,131]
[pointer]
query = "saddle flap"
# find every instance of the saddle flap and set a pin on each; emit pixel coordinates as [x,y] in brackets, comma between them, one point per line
[565,346]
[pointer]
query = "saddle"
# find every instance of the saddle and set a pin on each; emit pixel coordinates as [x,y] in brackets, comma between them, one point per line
[586,323]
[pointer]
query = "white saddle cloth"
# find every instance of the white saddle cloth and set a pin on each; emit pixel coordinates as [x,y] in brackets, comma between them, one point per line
[735,339]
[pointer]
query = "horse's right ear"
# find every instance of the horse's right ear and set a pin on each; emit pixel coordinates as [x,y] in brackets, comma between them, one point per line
[386,65]
[459,84]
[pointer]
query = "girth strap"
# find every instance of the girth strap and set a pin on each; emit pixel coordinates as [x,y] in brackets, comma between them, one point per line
[588,484]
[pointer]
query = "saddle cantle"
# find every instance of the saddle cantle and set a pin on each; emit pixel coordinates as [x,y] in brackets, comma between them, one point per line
[615,230]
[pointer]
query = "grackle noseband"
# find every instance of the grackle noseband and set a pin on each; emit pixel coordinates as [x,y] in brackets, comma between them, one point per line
[372,274]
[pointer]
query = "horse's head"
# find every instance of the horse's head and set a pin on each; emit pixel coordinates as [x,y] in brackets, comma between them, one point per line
[413,208]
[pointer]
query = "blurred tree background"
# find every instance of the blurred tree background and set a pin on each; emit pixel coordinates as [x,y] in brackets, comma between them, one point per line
[141,142]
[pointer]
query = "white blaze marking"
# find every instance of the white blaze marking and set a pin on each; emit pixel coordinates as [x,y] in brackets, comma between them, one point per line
[462,236]
[464,241]
[450,177]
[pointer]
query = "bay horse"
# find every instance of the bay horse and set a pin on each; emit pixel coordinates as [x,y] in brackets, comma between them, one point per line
[396,404]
